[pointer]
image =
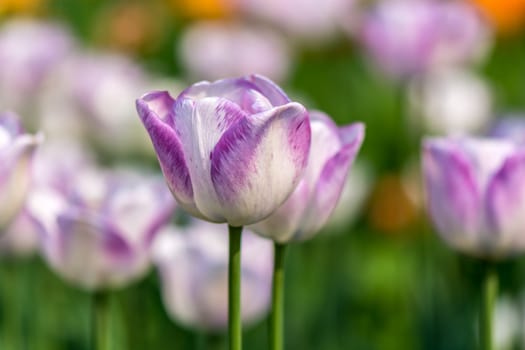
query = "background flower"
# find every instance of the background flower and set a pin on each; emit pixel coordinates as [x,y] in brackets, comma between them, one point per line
[407,37]
[96,232]
[16,152]
[206,51]
[475,194]
[193,265]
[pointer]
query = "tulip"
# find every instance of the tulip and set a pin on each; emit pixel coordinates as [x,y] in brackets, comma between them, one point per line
[16,153]
[475,201]
[206,51]
[232,150]
[474,196]
[407,37]
[193,265]
[309,207]
[96,231]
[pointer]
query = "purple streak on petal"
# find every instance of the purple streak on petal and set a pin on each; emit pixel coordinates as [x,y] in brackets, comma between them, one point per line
[454,199]
[505,201]
[169,151]
[256,142]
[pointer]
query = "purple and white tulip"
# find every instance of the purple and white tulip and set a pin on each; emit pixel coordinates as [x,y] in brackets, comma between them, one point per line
[306,211]
[96,231]
[476,194]
[407,37]
[232,150]
[193,265]
[16,153]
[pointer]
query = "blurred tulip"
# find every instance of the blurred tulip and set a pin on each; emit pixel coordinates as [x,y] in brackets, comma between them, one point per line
[309,20]
[29,50]
[451,102]
[193,265]
[16,153]
[475,195]
[96,232]
[54,164]
[407,37]
[306,211]
[206,51]
[511,127]
[231,151]
[91,95]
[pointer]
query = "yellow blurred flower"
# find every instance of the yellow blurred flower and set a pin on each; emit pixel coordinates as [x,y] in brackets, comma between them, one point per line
[508,16]
[20,6]
[204,8]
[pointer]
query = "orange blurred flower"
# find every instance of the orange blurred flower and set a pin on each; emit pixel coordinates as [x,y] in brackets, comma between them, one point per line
[20,6]
[507,16]
[129,27]
[391,209]
[204,8]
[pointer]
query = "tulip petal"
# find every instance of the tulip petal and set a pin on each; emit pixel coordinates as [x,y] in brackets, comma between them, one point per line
[153,109]
[234,89]
[506,203]
[200,124]
[331,180]
[88,249]
[258,162]
[453,195]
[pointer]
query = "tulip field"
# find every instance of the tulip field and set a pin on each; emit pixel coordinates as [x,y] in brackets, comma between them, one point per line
[262,174]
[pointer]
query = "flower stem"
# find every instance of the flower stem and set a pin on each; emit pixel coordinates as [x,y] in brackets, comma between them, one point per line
[489,295]
[277,313]
[100,320]
[234,289]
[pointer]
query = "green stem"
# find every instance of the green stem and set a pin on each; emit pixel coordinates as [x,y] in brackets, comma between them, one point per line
[489,295]
[277,313]
[100,320]
[234,289]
